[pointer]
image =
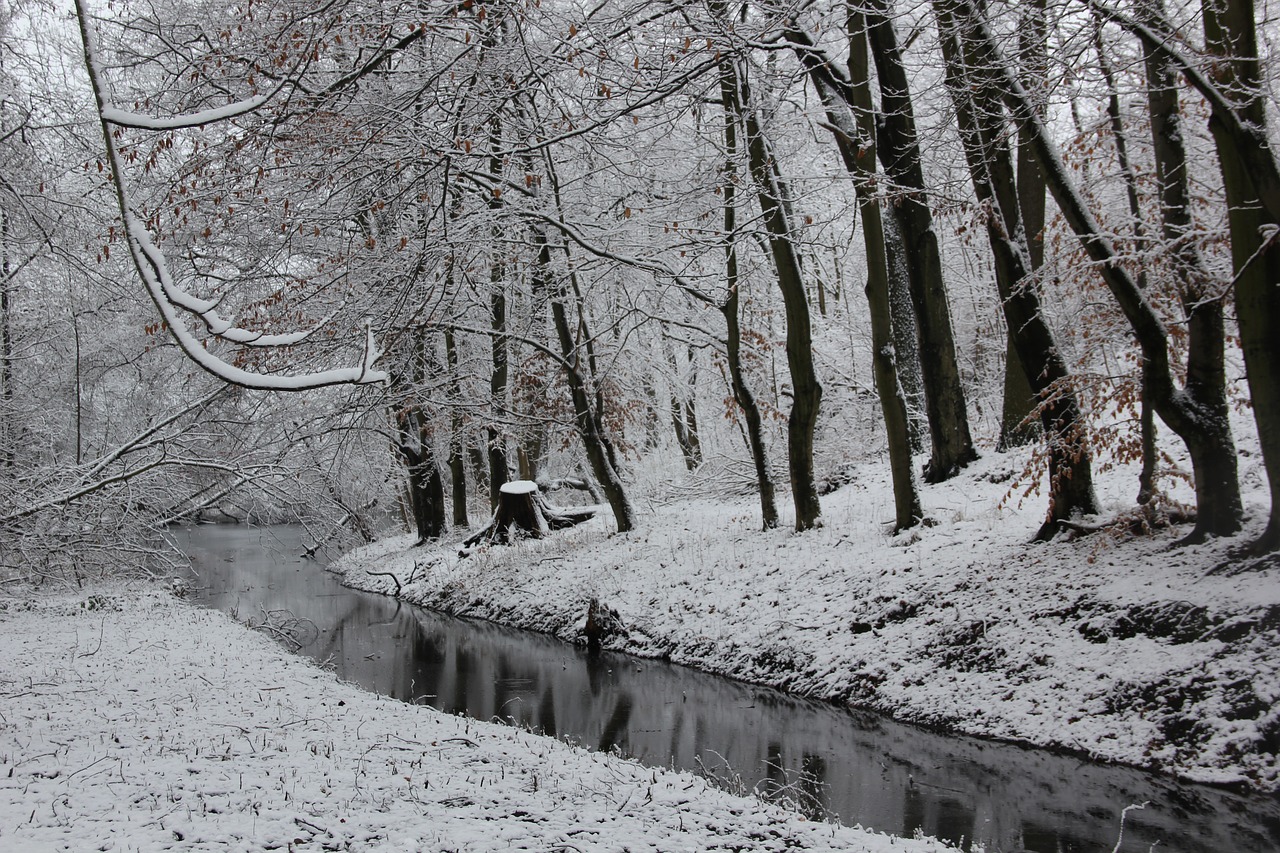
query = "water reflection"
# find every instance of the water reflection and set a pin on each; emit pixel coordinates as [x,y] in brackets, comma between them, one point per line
[859,767]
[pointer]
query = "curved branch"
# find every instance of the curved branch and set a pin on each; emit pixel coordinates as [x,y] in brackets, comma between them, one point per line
[152,268]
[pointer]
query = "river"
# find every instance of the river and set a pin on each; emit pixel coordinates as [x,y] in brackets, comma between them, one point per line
[829,762]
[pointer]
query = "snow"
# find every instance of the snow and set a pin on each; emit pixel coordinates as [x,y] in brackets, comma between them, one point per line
[132,721]
[196,119]
[1118,648]
[519,487]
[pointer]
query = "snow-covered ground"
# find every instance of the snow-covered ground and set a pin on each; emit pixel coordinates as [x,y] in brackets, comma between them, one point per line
[1125,649]
[132,721]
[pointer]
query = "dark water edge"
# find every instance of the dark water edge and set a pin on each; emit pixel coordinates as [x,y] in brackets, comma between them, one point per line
[857,767]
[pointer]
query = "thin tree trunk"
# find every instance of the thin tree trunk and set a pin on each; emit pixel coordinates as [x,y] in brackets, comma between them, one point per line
[582,374]
[691,411]
[683,419]
[8,437]
[806,391]
[596,443]
[1146,419]
[457,462]
[1018,425]
[691,461]
[479,466]
[907,511]
[499,341]
[733,332]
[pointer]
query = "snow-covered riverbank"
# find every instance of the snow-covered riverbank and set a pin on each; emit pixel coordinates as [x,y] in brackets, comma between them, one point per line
[132,721]
[1127,650]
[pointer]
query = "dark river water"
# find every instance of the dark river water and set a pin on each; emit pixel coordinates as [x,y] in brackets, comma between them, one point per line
[859,768]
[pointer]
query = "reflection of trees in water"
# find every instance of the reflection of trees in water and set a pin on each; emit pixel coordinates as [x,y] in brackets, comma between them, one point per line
[598,673]
[813,786]
[775,774]
[464,665]
[677,729]
[1036,837]
[508,680]
[940,815]
[615,730]
[547,712]
[427,661]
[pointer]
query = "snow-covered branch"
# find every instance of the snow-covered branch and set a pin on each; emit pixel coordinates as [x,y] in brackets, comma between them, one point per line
[138,121]
[152,268]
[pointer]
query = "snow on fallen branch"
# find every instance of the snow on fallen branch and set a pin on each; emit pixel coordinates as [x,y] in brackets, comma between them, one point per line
[153,269]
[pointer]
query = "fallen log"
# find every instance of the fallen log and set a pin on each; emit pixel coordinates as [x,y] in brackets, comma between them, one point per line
[523,512]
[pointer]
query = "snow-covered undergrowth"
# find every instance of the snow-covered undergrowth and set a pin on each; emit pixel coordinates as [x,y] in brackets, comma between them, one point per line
[131,721]
[1125,649]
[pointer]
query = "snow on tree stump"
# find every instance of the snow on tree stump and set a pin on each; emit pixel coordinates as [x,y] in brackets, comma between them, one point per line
[522,512]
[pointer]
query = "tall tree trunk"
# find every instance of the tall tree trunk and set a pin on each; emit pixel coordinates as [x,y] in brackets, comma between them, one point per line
[426,486]
[600,454]
[683,418]
[980,118]
[691,411]
[899,152]
[1230,32]
[479,461]
[578,356]
[852,119]
[1146,419]
[1218,501]
[416,444]
[1018,425]
[1180,409]
[906,347]
[499,341]
[907,511]
[806,391]
[729,308]
[8,437]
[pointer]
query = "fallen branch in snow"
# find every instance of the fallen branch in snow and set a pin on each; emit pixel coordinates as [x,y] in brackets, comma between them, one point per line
[391,575]
[285,628]
[96,648]
[413,575]
[1140,522]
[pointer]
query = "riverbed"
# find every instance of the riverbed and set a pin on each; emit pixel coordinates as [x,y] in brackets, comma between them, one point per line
[826,761]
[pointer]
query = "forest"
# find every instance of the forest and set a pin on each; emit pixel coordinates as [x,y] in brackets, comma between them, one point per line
[919,357]
[539,240]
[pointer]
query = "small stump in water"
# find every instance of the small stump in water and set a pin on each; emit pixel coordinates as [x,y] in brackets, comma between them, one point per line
[523,511]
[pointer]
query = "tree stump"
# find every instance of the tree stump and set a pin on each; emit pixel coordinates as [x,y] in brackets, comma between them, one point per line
[522,512]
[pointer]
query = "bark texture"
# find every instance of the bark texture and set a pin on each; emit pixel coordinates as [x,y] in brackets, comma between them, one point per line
[899,152]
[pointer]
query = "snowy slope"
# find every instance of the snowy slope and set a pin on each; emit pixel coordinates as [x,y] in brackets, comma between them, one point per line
[1121,648]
